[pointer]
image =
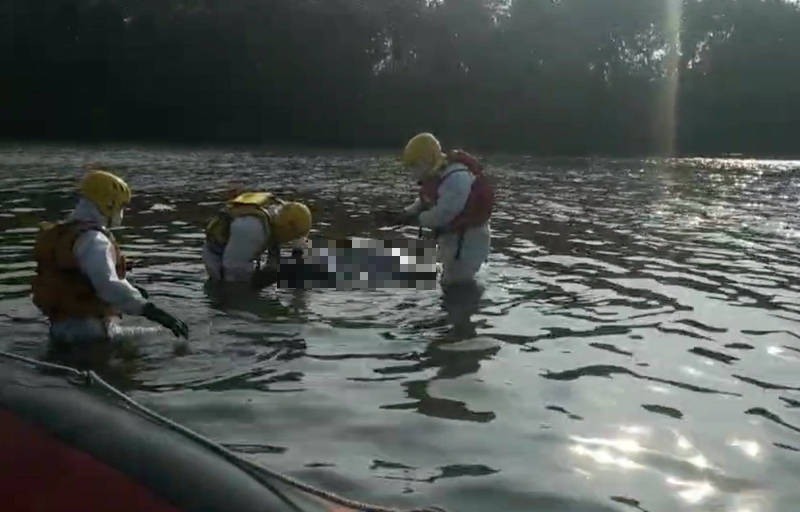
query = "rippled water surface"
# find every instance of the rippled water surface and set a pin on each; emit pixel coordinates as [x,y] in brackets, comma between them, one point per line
[636,346]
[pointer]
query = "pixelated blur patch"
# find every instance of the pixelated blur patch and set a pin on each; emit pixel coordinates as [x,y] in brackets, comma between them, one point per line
[361,264]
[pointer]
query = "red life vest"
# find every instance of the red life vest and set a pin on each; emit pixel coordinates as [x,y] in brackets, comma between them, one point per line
[478,208]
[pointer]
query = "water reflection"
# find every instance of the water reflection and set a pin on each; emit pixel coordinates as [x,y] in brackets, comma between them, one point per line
[461,302]
[660,295]
[117,362]
[265,305]
[693,477]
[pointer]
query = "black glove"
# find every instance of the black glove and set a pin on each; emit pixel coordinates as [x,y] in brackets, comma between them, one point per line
[142,291]
[265,276]
[384,217]
[406,219]
[159,316]
[397,219]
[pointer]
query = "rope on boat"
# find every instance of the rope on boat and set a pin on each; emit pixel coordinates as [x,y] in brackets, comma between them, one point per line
[90,378]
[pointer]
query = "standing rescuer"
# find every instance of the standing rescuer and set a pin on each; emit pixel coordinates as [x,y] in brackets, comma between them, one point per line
[455,201]
[80,275]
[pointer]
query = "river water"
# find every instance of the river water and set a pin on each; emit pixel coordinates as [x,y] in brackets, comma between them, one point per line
[636,345]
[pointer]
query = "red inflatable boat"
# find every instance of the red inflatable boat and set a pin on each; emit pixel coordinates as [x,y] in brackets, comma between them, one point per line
[69,442]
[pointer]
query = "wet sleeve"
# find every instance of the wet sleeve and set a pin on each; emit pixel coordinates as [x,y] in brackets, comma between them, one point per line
[414,208]
[453,195]
[247,239]
[95,255]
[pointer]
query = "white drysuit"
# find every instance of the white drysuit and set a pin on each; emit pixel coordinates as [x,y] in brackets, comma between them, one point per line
[240,256]
[453,193]
[95,256]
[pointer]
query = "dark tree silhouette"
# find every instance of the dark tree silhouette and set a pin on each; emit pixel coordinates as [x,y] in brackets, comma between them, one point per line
[541,76]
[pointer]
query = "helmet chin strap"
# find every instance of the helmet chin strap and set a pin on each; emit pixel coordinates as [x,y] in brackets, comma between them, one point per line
[115,221]
[421,174]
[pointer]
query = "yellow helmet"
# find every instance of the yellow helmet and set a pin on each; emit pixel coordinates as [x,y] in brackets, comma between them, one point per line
[423,149]
[107,191]
[292,221]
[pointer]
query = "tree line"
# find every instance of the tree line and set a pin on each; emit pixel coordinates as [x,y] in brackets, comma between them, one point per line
[569,77]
